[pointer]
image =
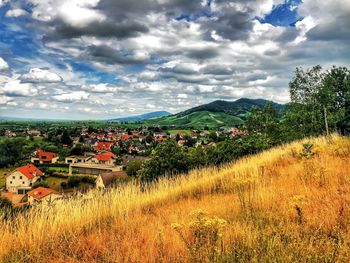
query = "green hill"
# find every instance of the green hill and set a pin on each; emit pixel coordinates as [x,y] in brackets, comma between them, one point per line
[215,114]
[198,119]
[239,107]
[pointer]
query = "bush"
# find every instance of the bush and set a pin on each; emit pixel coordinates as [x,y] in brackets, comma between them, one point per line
[4,203]
[74,181]
[59,175]
[134,167]
[204,239]
[64,185]
[40,184]
[88,179]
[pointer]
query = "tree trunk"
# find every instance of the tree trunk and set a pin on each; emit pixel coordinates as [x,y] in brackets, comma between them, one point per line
[325,120]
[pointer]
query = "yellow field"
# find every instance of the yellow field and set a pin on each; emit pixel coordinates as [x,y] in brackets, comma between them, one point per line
[278,206]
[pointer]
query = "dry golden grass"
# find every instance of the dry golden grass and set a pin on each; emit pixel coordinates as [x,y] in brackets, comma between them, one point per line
[277,206]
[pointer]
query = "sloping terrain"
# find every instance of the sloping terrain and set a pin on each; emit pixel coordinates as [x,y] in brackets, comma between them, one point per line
[239,107]
[288,204]
[215,114]
[199,119]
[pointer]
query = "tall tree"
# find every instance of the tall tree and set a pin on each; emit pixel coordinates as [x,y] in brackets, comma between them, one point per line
[335,97]
[305,92]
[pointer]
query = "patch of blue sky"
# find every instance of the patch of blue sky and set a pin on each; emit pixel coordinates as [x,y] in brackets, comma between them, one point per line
[285,14]
[204,12]
[92,75]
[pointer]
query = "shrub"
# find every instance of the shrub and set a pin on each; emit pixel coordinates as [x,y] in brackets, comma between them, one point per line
[204,241]
[40,184]
[74,181]
[64,185]
[88,179]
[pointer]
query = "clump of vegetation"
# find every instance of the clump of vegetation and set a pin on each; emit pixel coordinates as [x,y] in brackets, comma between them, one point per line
[307,151]
[204,239]
[40,184]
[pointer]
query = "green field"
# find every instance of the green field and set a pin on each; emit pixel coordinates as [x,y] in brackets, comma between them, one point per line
[188,132]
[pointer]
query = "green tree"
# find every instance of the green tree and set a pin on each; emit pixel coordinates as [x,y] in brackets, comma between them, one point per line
[335,98]
[65,138]
[305,90]
[167,159]
[133,167]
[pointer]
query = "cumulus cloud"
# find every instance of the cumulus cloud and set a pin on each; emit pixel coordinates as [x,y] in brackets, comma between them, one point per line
[72,97]
[14,88]
[100,88]
[3,65]
[37,75]
[16,12]
[4,100]
[3,2]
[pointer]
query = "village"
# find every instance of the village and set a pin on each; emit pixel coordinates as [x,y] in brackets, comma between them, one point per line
[69,162]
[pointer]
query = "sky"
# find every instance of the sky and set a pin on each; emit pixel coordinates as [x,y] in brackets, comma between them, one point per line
[100,59]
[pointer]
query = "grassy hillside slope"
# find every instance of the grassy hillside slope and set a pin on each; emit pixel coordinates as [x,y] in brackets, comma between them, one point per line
[284,205]
[198,119]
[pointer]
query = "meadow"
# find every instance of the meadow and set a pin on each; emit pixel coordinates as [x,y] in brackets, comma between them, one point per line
[288,204]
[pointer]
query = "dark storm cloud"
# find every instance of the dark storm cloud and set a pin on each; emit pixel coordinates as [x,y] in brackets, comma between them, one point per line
[232,25]
[106,54]
[121,28]
[202,53]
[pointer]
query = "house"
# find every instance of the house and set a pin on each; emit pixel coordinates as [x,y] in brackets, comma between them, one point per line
[106,158]
[44,157]
[105,180]
[43,195]
[103,146]
[159,134]
[33,132]
[76,159]
[235,131]
[181,142]
[10,134]
[21,180]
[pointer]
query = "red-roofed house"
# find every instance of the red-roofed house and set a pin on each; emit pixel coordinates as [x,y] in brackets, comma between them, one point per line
[125,137]
[41,195]
[21,180]
[44,157]
[236,131]
[106,158]
[103,146]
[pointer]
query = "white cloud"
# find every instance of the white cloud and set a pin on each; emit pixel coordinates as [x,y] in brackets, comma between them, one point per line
[16,88]
[3,2]
[99,88]
[72,97]
[79,13]
[303,27]
[3,65]
[4,100]
[16,12]
[37,75]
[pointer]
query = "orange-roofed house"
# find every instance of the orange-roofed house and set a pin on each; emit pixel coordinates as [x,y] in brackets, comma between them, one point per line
[43,157]
[43,195]
[106,158]
[21,180]
[103,146]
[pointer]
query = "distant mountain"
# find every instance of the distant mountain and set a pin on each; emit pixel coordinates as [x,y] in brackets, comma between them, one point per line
[215,114]
[143,117]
